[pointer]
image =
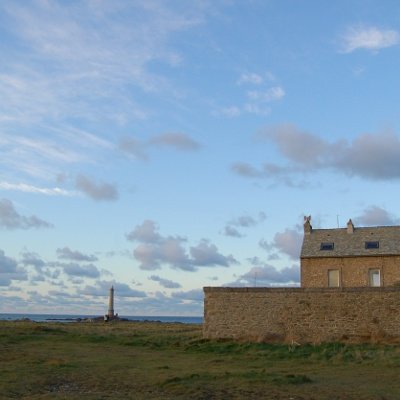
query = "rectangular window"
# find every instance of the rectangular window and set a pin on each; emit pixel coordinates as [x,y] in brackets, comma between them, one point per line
[374,277]
[326,246]
[372,245]
[333,278]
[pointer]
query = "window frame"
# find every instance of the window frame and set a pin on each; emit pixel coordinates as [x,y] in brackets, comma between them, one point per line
[371,244]
[337,283]
[327,246]
[371,273]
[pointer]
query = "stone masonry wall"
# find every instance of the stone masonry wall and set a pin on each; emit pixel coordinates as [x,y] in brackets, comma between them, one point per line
[353,270]
[303,315]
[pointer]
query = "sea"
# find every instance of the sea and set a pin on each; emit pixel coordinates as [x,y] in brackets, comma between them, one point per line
[74,318]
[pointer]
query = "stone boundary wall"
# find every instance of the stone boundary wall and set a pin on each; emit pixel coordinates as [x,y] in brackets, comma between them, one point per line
[302,315]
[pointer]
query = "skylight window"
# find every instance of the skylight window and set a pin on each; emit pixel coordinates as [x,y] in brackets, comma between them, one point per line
[372,245]
[327,246]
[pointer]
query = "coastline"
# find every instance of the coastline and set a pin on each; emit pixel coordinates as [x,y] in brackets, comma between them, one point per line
[67,318]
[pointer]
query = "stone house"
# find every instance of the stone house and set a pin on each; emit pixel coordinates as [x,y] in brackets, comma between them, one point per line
[350,291]
[350,257]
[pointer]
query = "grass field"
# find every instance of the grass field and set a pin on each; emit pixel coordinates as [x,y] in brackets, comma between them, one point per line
[139,360]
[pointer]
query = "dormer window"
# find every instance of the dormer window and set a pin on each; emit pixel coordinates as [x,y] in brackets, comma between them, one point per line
[327,246]
[372,245]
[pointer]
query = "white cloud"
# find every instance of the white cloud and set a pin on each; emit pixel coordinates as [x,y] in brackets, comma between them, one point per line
[96,191]
[288,242]
[7,264]
[147,232]
[232,232]
[376,216]
[30,258]
[153,250]
[10,219]
[206,254]
[368,38]
[68,254]
[269,275]
[369,156]
[9,270]
[243,221]
[87,271]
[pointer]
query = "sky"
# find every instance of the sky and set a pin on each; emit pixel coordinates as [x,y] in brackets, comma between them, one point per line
[164,146]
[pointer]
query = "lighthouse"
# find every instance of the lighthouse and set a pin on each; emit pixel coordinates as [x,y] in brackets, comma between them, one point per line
[110,313]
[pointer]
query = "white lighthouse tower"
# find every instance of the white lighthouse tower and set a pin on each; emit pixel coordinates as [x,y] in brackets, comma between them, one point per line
[110,313]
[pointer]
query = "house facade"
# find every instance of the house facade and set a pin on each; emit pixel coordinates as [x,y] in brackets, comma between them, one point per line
[350,257]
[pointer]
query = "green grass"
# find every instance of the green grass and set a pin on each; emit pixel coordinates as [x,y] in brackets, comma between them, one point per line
[172,361]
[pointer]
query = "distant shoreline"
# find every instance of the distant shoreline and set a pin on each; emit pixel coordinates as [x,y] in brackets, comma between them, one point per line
[66,318]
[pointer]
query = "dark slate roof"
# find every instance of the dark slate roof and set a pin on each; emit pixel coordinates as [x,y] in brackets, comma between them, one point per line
[352,244]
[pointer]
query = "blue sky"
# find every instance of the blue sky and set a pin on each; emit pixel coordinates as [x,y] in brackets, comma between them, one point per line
[163,146]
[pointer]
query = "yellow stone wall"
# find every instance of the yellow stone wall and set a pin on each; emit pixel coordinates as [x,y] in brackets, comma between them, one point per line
[354,271]
[303,315]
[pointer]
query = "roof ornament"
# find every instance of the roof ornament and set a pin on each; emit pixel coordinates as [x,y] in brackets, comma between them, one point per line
[307,225]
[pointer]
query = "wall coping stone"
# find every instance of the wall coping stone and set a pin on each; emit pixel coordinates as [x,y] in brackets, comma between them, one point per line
[211,289]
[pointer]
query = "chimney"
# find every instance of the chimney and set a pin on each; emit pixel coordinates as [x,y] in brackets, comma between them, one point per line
[307,225]
[350,226]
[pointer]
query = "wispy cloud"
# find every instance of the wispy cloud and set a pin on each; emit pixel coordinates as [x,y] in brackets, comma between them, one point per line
[271,94]
[139,149]
[166,283]
[256,102]
[68,254]
[250,77]
[191,295]
[102,289]
[95,49]
[178,140]
[368,38]
[23,187]
[230,112]
[77,59]
[36,157]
